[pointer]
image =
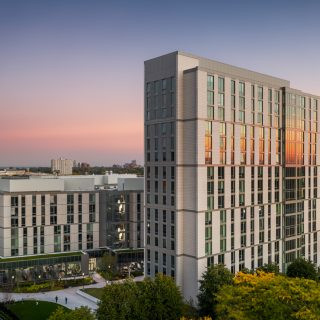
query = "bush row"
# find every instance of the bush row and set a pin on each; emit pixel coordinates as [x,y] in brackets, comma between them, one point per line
[31,287]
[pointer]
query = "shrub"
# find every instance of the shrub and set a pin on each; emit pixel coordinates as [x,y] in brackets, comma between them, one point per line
[31,287]
[270,268]
[301,268]
[82,313]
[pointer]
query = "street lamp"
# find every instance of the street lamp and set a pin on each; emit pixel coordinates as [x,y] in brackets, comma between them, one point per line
[109,272]
[12,280]
[82,280]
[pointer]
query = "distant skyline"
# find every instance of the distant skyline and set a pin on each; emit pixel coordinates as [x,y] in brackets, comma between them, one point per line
[71,72]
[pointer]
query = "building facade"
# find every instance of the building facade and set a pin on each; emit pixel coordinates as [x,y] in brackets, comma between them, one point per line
[43,216]
[57,226]
[231,169]
[62,166]
[121,219]
[121,223]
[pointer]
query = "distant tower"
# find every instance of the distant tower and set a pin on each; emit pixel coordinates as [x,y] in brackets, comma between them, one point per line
[62,166]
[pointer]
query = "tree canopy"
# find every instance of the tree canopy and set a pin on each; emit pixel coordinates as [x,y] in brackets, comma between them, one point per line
[82,313]
[150,299]
[213,279]
[301,268]
[263,296]
[107,265]
[270,267]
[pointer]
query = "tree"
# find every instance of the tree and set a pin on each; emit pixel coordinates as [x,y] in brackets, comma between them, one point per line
[58,314]
[213,279]
[156,299]
[190,311]
[270,268]
[301,268]
[108,265]
[120,301]
[246,270]
[161,297]
[266,296]
[82,313]
[194,318]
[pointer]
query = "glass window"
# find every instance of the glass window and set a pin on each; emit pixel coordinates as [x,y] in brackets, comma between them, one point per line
[252,91]
[210,83]
[210,97]
[221,84]
[221,99]
[233,87]
[241,88]
[164,84]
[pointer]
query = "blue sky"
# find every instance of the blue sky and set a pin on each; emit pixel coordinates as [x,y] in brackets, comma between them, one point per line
[70,70]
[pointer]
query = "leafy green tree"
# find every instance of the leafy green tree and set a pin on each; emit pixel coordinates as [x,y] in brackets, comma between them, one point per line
[120,301]
[266,296]
[82,313]
[213,279]
[248,271]
[196,318]
[108,265]
[156,299]
[190,311]
[59,314]
[162,298]
[301,268]
[270,268]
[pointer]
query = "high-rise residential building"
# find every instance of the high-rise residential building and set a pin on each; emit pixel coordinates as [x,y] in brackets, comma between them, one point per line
[231,169]
[62,166]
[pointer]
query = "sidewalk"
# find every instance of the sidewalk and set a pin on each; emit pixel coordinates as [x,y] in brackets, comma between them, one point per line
[74,300]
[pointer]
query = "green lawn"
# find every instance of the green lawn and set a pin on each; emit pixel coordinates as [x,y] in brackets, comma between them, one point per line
[29,310]
[95,292]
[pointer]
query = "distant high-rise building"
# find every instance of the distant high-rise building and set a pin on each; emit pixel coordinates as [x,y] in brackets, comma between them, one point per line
[231,169]
[62,166]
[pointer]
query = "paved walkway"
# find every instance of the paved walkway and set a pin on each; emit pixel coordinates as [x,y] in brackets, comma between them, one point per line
[73,299]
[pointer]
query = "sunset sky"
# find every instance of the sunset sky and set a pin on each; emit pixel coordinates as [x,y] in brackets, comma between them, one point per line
[71,71]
